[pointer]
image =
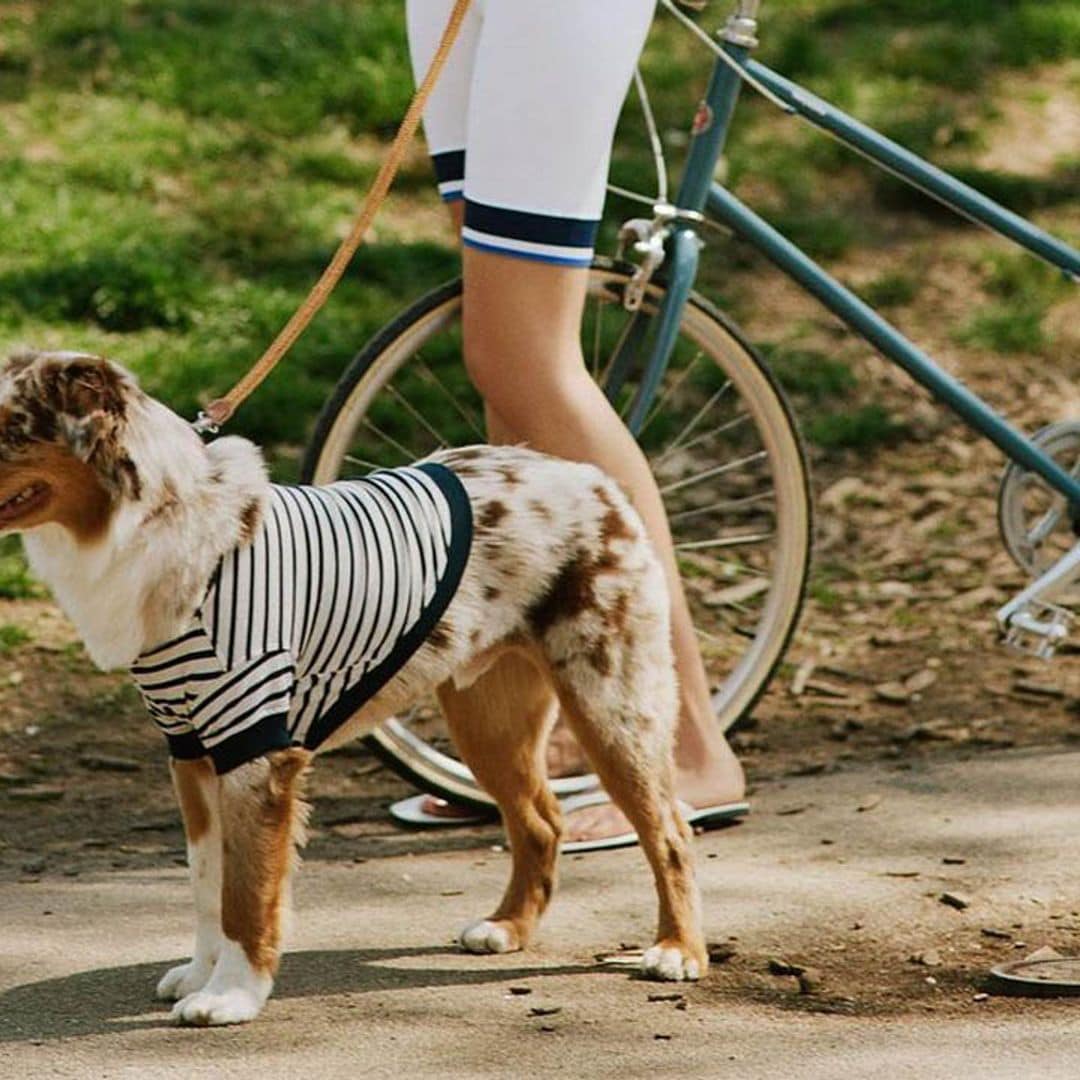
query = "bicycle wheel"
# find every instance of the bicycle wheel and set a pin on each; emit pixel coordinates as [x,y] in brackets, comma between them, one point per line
[722,444]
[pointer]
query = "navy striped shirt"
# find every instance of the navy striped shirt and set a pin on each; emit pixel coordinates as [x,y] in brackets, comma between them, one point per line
[298,629]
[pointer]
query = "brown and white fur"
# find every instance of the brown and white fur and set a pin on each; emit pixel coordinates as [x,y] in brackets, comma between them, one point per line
[125,513]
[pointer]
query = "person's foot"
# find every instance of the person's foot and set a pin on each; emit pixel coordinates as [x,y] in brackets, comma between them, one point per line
[717,781]
[715,778]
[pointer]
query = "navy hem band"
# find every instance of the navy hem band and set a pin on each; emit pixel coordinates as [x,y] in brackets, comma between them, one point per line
[449,166]
[532,256]
[185,747]
[458,556]
[261,738]
[535,228]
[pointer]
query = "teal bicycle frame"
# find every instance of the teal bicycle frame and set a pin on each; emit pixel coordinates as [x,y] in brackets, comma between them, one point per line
[698,192]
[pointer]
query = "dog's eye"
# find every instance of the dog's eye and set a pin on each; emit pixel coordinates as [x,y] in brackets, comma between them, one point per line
[91,380]
[13,441]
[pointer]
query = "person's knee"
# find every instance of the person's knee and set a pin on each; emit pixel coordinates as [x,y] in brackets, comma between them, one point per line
[483,366]
[505,378]
[522,390]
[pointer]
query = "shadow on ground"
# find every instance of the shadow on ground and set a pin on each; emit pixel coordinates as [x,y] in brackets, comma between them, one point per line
[118,999]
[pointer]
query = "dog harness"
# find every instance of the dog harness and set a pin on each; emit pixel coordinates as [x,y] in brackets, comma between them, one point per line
[299,628]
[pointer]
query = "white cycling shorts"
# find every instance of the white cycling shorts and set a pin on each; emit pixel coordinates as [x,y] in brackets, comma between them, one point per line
[521,122]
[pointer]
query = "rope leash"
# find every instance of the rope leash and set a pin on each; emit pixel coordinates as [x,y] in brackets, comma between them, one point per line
[219,412]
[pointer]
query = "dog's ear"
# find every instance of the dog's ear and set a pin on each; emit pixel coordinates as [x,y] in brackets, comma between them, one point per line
[89,400]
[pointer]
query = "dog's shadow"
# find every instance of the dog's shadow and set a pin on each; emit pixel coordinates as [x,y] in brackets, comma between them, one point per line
[121,999]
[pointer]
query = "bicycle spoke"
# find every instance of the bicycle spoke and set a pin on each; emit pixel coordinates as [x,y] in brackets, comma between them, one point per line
[676,383]
[409,455]
[466,414]
[713,639]
[362,463]
[624,333]
[735,596]
[708,474]
[730,425]
[725,541]
[419,418]
[694,421]
[721,507]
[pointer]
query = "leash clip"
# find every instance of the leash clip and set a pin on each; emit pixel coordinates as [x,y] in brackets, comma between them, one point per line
[204,424]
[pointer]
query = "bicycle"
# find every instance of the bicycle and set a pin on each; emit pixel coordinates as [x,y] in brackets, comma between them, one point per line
[703,404]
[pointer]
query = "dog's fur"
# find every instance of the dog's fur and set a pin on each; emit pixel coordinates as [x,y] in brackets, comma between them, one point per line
[125,514]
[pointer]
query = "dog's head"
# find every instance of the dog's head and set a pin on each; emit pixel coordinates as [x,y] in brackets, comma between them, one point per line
[63,418]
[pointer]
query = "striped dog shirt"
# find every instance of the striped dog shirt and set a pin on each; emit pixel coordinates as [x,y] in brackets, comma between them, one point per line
[299,628]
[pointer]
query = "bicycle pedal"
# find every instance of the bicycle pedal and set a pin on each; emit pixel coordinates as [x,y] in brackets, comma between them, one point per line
[1038,629]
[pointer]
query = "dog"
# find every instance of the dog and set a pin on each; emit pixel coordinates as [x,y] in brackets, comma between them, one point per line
[549,597]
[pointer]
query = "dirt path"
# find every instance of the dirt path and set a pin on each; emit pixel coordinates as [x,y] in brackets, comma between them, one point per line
[840,876]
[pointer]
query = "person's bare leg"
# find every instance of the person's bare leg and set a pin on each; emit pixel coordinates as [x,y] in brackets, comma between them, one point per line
[522,349]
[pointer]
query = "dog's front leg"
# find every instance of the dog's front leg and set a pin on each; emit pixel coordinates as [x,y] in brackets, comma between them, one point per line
[197,790]
[261,824]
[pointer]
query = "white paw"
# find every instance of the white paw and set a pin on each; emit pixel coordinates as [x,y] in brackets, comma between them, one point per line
[670,964]
[486,937]
[235,1006]
[184,979]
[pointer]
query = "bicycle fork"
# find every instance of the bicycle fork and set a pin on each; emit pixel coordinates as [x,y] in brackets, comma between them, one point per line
[1031,622]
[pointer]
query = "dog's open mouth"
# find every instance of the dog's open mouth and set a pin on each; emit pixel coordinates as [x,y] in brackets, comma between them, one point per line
[31,497]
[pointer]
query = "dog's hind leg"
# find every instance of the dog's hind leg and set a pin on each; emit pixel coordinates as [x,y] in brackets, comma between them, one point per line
[499,725]
[635,769]
[261,825]
[196,786]
[632,757]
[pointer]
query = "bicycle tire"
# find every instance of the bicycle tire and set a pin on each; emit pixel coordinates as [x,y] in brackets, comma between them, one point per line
[387,353]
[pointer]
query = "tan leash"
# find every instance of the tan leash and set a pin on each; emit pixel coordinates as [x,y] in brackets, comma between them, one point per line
[220,411]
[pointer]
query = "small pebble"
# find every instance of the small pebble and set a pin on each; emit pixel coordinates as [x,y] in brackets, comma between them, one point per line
[929,958]
[720,951]
[782,967]
[955,900]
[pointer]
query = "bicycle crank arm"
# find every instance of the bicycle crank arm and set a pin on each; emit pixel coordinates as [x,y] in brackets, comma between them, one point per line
[1030,622]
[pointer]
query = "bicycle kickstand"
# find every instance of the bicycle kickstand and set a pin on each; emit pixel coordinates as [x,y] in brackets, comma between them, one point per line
[1030,622]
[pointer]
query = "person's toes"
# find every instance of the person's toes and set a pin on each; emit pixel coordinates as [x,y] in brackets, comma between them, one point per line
[437,807]
[596,823]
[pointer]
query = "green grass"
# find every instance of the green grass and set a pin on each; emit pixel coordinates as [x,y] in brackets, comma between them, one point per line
[174,176]
[16,581]
[12,636]
[1022,291]
[890,290]
[809,374]
[863,427]
[836,413]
